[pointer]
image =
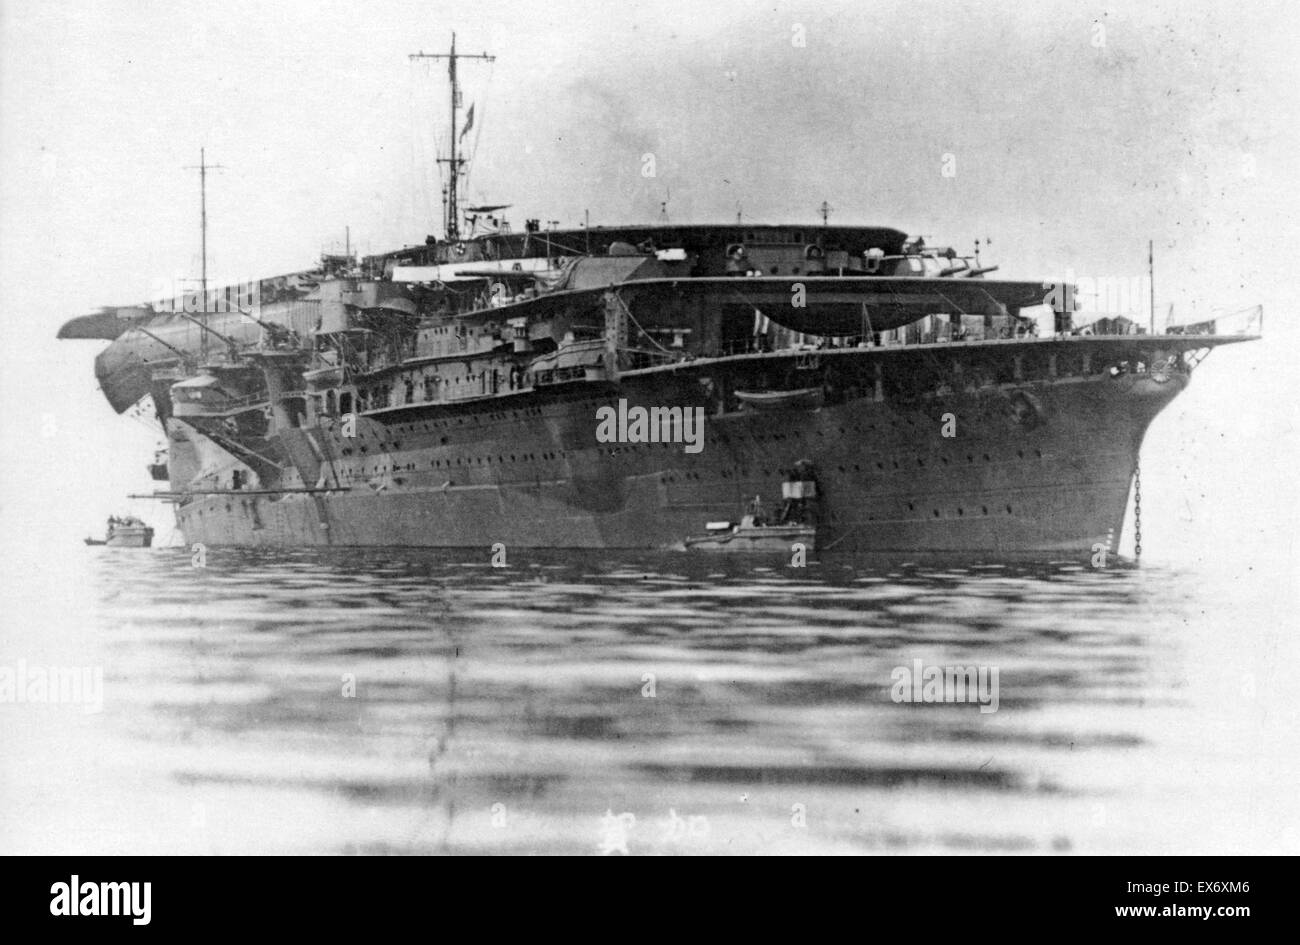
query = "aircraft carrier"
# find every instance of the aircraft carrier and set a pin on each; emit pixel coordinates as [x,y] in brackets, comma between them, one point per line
[450,393]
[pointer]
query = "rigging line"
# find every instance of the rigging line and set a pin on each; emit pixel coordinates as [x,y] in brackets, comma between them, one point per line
[429,180]
[487,94]
[465,293]
[416,170]
[628,311]
[576,250]
[836,542]
[168,542]
[329,459]
[930,356]
[738,294]
[988,296]
[960,310]
[473,153]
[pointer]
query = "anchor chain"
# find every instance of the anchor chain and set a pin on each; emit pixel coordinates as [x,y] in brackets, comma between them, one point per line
[1137,511]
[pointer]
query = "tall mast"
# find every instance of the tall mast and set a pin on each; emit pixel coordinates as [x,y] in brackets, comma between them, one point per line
[451,205]
[203,167]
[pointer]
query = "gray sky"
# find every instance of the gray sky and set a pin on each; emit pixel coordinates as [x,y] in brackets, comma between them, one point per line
[1071,148]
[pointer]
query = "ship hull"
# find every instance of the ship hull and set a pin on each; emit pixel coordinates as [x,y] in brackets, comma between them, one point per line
[1037,468]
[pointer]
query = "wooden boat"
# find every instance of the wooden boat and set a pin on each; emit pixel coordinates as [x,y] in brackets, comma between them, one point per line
[779,399]
[128,532]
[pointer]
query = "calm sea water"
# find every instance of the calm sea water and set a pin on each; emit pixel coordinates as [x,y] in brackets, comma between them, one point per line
[414,702]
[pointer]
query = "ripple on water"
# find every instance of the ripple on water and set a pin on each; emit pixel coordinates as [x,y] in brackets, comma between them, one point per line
[374,701]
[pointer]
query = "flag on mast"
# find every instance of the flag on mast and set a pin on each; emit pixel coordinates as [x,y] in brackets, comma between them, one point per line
[469,120]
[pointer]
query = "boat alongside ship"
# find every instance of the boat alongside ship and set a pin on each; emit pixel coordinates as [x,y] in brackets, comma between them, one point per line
[448,394]
[793,530]
[125,532]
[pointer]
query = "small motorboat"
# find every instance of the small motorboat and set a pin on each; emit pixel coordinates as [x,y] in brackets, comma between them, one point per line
[795,523]
[753,535]
[125,532]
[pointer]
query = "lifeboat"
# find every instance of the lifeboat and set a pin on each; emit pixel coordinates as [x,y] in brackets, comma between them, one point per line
[807,397]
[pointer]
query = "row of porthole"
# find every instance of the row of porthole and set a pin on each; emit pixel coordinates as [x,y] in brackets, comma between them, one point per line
[970,458]
[523,457]
[760,437]
[431,426]
[624,447]
[532,457]
[395,445]
[920,462]
[911,507]
[496,415]
[615,450]
[536,411]
[961,511]
[469,461]
[723,439]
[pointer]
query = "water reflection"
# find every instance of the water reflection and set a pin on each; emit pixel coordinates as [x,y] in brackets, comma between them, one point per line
[377,702]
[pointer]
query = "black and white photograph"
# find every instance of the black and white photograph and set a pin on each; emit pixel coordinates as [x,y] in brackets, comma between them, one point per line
[649,428]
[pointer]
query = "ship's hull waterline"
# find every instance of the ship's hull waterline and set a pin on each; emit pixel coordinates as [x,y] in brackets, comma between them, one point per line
[1034,468]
